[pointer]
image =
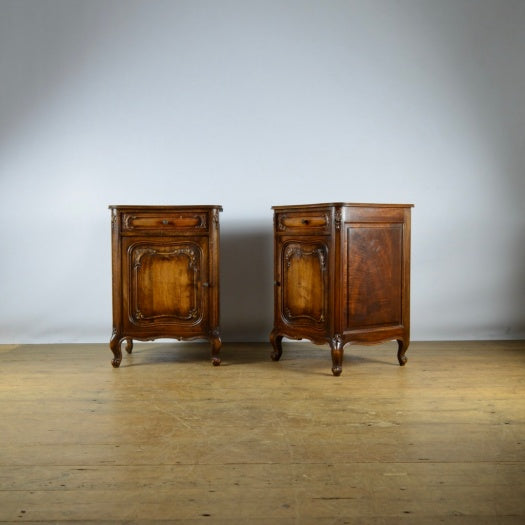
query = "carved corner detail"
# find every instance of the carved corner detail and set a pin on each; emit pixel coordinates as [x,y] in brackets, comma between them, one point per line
[338,219]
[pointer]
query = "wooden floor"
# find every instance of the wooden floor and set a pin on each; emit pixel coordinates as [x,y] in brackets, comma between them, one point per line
[167,438]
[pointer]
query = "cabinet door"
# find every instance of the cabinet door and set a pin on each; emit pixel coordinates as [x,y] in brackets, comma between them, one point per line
[373,282]
[164,281]
[303,294]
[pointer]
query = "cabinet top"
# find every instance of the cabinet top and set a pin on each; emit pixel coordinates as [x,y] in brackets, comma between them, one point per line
[154,208]
[341,204]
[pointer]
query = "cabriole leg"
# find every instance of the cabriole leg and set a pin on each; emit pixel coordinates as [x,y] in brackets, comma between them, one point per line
[336,346]
[276,341]
[216,345]
[114,345]
[402,346]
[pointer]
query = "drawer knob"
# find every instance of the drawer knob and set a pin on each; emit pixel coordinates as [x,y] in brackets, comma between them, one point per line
[206,285]
[165,221]
[305,221]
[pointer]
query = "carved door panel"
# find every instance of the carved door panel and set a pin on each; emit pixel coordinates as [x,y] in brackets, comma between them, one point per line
[373,282]
[304,283]
[166,282]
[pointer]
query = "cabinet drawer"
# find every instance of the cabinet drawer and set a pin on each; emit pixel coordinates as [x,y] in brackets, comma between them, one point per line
[301,221]
[164,222]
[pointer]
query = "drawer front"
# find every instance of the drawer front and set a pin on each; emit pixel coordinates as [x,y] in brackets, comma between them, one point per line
[164,222]
[306,222]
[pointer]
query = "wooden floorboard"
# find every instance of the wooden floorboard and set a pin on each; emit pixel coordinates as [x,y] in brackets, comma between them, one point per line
[168,438]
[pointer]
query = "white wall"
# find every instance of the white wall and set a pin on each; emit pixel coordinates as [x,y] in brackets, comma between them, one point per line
[254,103]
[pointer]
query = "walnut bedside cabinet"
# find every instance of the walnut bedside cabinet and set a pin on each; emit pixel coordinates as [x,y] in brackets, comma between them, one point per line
[342,275]
[165,265]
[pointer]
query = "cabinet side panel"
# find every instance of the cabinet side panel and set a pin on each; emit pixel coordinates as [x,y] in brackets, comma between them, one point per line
[116,262]
[374,257]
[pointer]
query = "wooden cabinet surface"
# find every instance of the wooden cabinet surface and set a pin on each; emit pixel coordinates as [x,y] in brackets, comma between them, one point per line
[165,265]
[342,275]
